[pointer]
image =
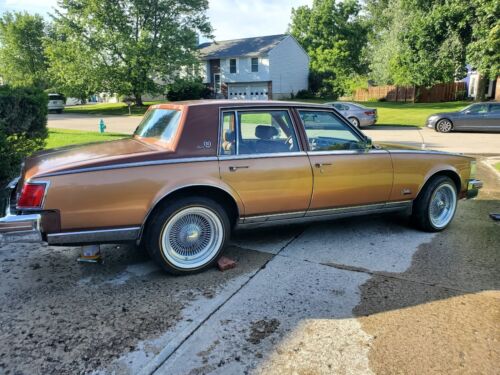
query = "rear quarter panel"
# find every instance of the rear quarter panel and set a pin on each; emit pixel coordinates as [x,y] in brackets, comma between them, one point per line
[413,169]
[123,197]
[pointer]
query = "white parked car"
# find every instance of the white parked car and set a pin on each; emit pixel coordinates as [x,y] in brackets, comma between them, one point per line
[56,103]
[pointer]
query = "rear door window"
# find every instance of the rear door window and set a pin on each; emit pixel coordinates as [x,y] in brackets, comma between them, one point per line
[257,132]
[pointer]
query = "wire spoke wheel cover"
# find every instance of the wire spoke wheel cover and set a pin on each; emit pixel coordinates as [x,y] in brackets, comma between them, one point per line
[192,237]
[442,205]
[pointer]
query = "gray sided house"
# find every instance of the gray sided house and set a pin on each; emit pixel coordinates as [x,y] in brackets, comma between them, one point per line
[265,67]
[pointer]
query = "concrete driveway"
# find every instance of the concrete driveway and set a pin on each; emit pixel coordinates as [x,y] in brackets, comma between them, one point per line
[357,296]
[471,143]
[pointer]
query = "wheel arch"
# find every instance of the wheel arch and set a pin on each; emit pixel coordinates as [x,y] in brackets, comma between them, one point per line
[218,194]
[452,174]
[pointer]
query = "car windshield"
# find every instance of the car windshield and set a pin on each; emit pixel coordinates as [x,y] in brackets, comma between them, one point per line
[160,124]
[55,97]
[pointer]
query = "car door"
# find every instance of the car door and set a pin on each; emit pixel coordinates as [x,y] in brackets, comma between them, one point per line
[473,118]
[346,173]
[493,117]
[260,158]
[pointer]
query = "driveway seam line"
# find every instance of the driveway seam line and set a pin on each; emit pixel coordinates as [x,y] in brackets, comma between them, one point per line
[387,275]
[157,367]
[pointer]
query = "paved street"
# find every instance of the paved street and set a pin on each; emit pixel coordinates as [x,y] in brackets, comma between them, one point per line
[472,143]
[354,296]
[114,124]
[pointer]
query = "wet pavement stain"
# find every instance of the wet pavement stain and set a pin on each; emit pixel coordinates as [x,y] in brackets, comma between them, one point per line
[442,314]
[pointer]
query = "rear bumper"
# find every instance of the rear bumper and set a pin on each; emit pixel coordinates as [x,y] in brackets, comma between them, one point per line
[367,121]
[18,227]
[473,187]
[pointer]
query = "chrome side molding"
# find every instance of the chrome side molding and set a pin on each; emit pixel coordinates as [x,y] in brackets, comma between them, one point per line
[94,236]
[323,214]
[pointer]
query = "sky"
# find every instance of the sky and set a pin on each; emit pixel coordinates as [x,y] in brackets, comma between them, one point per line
[231,19]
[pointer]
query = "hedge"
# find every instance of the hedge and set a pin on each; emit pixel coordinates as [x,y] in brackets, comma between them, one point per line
[23,127]
[187,89]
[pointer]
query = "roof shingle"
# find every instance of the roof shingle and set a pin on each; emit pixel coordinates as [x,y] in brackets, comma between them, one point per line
[251,47]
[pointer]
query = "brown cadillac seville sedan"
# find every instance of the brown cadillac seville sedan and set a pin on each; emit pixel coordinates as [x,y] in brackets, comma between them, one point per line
[193,171]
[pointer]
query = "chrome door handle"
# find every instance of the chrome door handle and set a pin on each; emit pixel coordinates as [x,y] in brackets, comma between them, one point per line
[236,167]
[319,165]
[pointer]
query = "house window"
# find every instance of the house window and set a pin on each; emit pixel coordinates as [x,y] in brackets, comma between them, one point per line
[232,65]
[255,64]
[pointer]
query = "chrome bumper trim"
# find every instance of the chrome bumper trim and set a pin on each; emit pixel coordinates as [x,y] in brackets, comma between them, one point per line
[20,228]
[94,236]
[473,187]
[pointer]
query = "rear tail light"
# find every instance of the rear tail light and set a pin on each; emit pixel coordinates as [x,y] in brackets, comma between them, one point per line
[32,195]
[370,113]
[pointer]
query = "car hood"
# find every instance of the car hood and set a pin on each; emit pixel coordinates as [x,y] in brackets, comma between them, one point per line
[394,147]
[397,147]
[59,159]
[444,114]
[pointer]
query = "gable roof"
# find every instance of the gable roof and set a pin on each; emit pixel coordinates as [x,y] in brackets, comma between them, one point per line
[251,47]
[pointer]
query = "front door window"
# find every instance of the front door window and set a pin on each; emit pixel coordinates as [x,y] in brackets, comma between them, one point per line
[326,132]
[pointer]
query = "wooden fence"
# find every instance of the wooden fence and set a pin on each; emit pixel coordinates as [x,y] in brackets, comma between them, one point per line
[442,92]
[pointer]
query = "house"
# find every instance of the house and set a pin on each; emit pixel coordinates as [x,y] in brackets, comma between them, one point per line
[472,83]
[265,67]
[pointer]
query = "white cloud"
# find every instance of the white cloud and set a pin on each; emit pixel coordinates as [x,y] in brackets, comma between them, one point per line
[233,19]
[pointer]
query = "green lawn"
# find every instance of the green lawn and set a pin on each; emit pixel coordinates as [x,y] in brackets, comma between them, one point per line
[410,114]
[497,166]
[63,137]
[112,109]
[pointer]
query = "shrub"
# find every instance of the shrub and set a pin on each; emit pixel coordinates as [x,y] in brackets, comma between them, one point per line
[304,94]
[23,127]
[187,89]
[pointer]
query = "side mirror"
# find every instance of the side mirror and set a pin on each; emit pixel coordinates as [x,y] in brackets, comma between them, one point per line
[368,143]
[468,112]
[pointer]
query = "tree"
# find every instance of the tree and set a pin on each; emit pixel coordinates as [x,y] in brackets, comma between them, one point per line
[72,69]
[422,42]
[334,35]
[426,42]
[483,53]
[135,45]
[22,58]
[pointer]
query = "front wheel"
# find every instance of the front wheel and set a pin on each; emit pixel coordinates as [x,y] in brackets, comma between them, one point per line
[436,204]
[188,235]
[444,126]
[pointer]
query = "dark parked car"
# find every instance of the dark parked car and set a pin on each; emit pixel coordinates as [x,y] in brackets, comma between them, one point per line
[475,117]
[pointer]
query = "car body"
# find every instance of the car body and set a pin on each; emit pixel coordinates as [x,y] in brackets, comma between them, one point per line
[358,114]
[480,117]
[206,167]
[56,103]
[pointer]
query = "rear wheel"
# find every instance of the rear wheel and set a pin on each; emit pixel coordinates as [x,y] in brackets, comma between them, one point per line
[444,126]
[354,121]
[435,207]
[188,235]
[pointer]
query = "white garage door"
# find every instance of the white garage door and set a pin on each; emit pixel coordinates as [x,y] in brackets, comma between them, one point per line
[248,91]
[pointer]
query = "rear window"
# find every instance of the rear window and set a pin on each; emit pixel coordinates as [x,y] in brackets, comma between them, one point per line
[55,97]
[160,124]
